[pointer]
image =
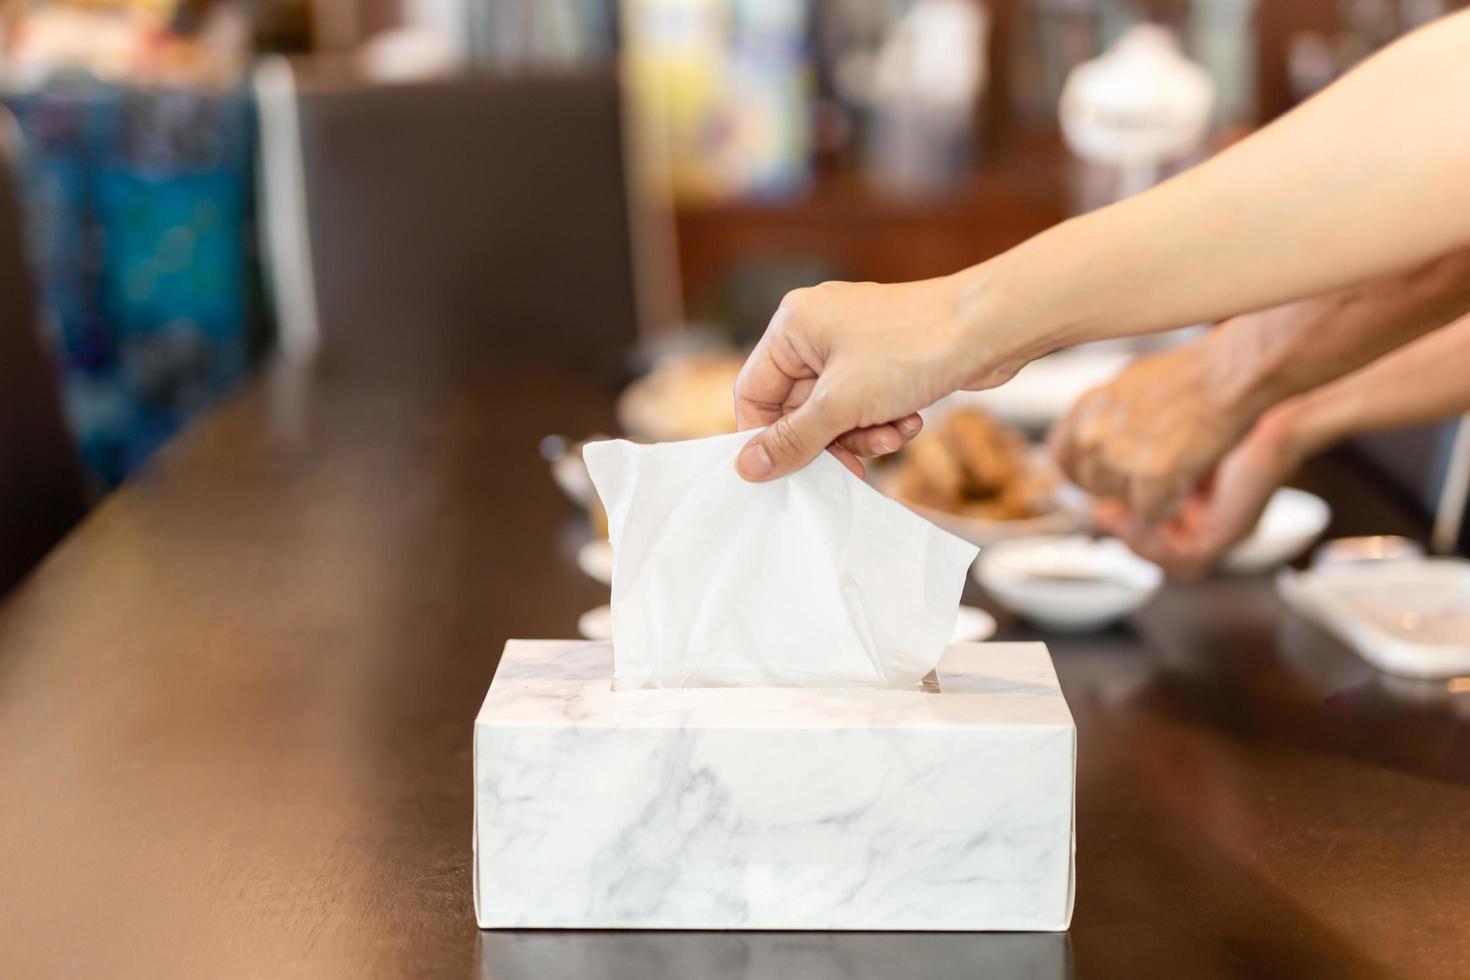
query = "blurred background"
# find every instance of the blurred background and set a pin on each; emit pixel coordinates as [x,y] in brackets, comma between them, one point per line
[407,255]
[629,184]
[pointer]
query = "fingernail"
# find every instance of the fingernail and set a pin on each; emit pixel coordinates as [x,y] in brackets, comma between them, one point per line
[753,463]
[886,442]
[909,426]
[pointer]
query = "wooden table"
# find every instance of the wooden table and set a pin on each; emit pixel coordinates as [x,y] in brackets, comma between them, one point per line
[236,704]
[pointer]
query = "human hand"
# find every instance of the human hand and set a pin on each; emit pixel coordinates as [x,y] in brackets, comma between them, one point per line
[847,366]
[1220,512]
[1145,438]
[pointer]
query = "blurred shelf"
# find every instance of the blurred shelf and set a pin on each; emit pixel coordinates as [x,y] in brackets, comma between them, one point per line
[861,232]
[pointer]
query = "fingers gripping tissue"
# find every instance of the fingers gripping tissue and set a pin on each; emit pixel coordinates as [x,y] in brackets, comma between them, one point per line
[812,580]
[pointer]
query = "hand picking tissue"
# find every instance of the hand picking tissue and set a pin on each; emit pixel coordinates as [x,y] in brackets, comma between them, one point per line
[813,580]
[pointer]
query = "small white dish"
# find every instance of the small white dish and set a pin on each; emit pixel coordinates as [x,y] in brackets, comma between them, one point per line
[972,626]
[1293,519]
[1069,583]
[1369,548]
[596,559]
[596,624]
[1407,618]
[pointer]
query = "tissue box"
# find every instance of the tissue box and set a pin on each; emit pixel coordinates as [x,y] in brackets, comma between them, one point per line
[774,808]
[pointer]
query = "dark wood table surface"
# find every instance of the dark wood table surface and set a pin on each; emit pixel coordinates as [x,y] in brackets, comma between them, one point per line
[236,706]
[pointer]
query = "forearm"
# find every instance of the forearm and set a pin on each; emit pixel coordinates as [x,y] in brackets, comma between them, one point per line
[1262,359]
[1364,179]
[1426,381]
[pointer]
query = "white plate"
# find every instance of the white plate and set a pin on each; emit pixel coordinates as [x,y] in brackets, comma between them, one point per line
[1112,580]
[1410,618]
[596,624]
[1043,391]
[1293,519]
[984,532]
[972,625]
[596,559]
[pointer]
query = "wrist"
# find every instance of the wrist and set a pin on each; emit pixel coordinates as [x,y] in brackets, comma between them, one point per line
[1237,378]
[1005,320]
[1292,432]
[1269,356]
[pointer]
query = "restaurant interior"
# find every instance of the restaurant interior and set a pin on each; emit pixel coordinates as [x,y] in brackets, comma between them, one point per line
[308,307]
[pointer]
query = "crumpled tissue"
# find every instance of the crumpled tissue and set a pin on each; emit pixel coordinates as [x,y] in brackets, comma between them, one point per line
[812,580]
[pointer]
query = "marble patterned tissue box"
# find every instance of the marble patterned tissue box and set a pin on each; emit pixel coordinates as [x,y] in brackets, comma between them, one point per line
[774,808]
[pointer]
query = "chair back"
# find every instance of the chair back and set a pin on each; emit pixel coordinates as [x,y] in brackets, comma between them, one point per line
[42,488]
[475,216]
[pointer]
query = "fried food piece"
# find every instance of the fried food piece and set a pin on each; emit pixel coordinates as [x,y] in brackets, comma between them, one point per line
[973,466]
[1013,503]
[990,455]
[930,476]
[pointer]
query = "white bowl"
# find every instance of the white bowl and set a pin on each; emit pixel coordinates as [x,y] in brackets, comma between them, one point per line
[596,559]
[1067,583]
[596,623]
[1293,519]
[972,625]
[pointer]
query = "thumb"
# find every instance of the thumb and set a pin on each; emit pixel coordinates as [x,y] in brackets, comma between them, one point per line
[790,442]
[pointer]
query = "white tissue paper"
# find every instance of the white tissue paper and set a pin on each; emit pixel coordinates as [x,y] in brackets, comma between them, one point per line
[812,580]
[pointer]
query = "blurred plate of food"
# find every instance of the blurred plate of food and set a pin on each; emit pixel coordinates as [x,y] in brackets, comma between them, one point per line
[979,479]
[683,397]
